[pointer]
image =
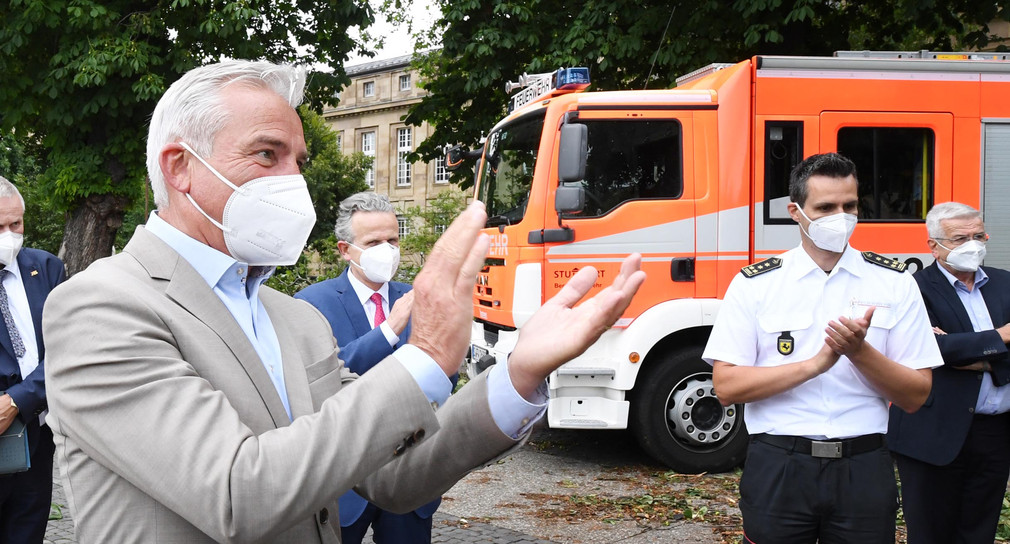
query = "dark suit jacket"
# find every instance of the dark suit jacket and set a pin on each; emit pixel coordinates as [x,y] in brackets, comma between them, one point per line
[40,273]
[936,432]
[361,348]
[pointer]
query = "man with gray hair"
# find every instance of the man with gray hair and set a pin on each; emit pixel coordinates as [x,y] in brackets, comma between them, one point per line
[26,278]
[191,403]
[370,317]
[953,455]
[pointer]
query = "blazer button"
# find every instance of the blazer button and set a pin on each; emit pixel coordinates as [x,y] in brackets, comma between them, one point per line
[399,450]
[971,410]
[324,516]
[418,434]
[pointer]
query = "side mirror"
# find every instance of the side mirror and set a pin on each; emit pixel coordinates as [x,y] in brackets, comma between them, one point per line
[573,150]
[456,155]
[570,199]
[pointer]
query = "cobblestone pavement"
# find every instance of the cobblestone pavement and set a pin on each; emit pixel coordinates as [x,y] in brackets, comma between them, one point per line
[446,529]
[498,504]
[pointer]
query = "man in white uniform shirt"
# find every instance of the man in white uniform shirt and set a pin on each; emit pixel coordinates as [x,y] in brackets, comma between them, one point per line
[816,342]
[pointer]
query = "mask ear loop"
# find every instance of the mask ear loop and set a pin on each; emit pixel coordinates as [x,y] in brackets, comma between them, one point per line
[800,209]
[219,176]
[211,168]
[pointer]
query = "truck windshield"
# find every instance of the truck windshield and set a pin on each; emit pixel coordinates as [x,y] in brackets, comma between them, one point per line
[507,172]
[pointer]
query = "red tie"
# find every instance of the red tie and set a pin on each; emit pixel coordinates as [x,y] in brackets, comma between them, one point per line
[380,316]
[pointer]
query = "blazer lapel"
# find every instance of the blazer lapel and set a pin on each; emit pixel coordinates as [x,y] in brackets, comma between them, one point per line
[949,296]
[350,303]
[991,294]
[295,380]
[188,289]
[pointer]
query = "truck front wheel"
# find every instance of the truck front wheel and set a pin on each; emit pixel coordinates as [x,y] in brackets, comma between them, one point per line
[678,420]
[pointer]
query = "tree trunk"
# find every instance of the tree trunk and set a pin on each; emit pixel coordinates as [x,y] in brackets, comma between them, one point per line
[91,230]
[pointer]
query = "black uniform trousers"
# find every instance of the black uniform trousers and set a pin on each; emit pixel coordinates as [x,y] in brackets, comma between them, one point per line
[959,503]
[789,496]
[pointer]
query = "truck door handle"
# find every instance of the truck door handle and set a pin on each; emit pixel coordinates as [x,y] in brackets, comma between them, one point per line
[682,269]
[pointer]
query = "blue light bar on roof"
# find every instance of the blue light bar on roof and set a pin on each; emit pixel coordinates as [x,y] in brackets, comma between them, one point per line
[571,78]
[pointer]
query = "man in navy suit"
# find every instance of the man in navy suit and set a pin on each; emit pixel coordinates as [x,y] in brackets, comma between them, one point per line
[27,277]
[953,454]
[370,317]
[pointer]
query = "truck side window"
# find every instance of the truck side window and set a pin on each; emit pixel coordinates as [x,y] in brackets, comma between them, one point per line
[895,169]
[631,160]
[783,151]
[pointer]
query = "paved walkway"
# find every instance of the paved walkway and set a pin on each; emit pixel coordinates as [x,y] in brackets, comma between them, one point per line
[445,529]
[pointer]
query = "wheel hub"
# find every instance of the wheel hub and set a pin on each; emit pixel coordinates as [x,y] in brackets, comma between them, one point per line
[695,414]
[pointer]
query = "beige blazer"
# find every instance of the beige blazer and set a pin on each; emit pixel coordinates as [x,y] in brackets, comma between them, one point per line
[168,428]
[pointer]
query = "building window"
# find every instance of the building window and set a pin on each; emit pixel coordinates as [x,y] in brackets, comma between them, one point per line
[340,141]
[369,88]
[403,148]
[441,172]
[405,82]
[403,226]
[368,148]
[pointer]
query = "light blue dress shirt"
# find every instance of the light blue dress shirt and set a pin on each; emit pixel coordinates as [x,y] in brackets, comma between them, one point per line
[991,399]
[238,288]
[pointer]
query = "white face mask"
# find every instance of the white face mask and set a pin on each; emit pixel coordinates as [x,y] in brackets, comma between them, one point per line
[378,262]
[266,221]
[966,257]
[832,232]
[10,246]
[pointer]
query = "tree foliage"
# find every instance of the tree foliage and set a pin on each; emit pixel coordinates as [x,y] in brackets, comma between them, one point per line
[20,165]
[84,76]
[638,44]
[331,175]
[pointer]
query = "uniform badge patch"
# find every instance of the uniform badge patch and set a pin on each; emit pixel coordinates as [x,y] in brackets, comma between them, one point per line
[785,343]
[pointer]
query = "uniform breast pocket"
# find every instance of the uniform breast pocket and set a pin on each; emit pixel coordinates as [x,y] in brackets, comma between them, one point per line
[783,331]
[883,320]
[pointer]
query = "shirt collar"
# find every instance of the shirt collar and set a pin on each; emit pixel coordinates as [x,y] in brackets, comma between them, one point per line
[363,291]
[14,269]
[803,264]
[210,263]
[981,278]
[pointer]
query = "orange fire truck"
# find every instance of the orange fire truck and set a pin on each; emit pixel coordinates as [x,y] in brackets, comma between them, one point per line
[695,178]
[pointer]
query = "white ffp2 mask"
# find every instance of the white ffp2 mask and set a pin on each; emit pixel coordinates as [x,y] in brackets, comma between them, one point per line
[266,221]
[832,232]
[966,257]
[378,262]
[10,246]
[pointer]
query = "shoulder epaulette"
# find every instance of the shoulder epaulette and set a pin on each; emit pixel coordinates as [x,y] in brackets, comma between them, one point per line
[761,267]
[886,262]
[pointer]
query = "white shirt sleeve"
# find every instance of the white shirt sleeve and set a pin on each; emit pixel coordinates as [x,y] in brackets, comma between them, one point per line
[513,414]
[911,341]
[734,336]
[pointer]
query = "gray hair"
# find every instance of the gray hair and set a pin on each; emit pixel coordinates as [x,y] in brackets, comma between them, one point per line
[365,201]
[948,210]
[8,189]
[192,110]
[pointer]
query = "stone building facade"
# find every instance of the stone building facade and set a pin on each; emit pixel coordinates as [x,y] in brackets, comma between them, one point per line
[369,118]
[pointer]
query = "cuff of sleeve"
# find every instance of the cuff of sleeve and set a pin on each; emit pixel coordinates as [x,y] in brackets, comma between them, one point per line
[426,372]
[387,331]
[513,414]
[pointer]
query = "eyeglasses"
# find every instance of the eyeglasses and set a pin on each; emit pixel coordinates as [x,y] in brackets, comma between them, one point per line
[958,240]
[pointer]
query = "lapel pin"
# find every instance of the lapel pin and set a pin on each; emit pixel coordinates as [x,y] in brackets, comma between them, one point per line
[35,273]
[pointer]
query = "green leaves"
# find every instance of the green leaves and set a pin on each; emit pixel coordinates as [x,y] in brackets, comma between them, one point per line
[86,74]
[627,44]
